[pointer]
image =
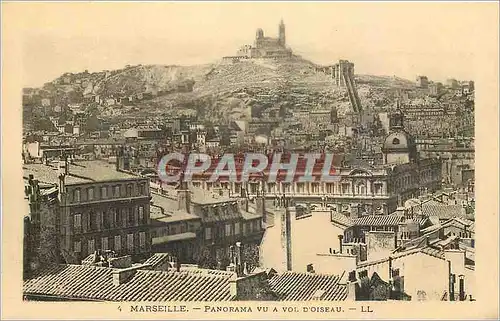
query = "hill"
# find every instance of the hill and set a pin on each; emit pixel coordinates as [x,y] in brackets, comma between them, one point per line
[226,89]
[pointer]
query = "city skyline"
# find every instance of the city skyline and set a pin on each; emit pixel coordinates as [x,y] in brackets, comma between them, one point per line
[375,45]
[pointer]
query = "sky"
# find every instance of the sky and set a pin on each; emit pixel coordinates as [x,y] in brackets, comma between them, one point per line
[402,39]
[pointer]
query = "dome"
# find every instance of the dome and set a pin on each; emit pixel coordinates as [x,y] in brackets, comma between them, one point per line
[260,33]
[398,141]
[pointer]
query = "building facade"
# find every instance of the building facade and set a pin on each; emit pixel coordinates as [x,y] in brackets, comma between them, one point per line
[99,208]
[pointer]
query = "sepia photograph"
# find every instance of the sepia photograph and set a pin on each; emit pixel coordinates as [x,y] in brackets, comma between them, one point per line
[232,160]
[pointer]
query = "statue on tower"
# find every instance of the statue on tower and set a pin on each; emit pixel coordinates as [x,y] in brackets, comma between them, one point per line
[282,37]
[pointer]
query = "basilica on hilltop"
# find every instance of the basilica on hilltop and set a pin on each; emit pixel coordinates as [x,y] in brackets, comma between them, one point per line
[266,47]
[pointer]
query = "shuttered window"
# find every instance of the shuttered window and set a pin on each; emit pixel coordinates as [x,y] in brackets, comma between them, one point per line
[118,243]
[104,244]
[130,242]
[142,240]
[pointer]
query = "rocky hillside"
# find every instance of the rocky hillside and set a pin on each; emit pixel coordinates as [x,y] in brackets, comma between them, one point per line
[227,89]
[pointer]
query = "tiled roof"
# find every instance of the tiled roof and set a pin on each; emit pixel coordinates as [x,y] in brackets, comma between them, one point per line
[425,250]
[341,219]
[443,211]
[221,213]
[195,270]
[393,219]
[89,260]
[292,286]
[379,220]
[80,172]
[96,283]
[157,259]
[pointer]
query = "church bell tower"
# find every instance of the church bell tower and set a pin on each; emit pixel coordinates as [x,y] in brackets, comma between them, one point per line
[282,37]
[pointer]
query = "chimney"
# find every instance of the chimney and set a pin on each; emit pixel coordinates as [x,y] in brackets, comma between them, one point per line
[122,262]
[260,202]
[66,165]
[286,240]
[341,237]
[233,286]
[451,283]
[390,268]
[177,265]
[124,275]
[461,288]
[239,259]
[184,198]
[351,291]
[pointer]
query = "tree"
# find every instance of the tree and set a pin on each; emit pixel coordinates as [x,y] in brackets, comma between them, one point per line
[43,124]
[92,124]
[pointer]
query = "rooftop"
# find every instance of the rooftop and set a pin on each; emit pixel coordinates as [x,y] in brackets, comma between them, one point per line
[424,250]
[96,283]
[387,220]
[293,286]
[445,211]
[79,172]
[170,212]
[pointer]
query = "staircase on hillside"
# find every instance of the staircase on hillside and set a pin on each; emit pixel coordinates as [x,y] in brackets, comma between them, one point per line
[352,92]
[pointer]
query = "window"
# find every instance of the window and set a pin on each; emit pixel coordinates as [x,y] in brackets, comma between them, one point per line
[395,141]
[142,219]
[77,246]
[142,189]
[105,219]
[142,240]
[361,189]
[237,188]
[91,246]
[77,222]
[345,188]
[90,194]
[208,233]
[117,191]
[104,244]
[92,222]
[130,242]
[104,192]
[255,225]
[237,228]
[76,195]
[228,229]
[131,217]
[116,218]
[118,243]
[129,190]
[183,228]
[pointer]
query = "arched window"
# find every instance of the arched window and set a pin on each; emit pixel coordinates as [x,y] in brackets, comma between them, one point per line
[361,189]
[395,141]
